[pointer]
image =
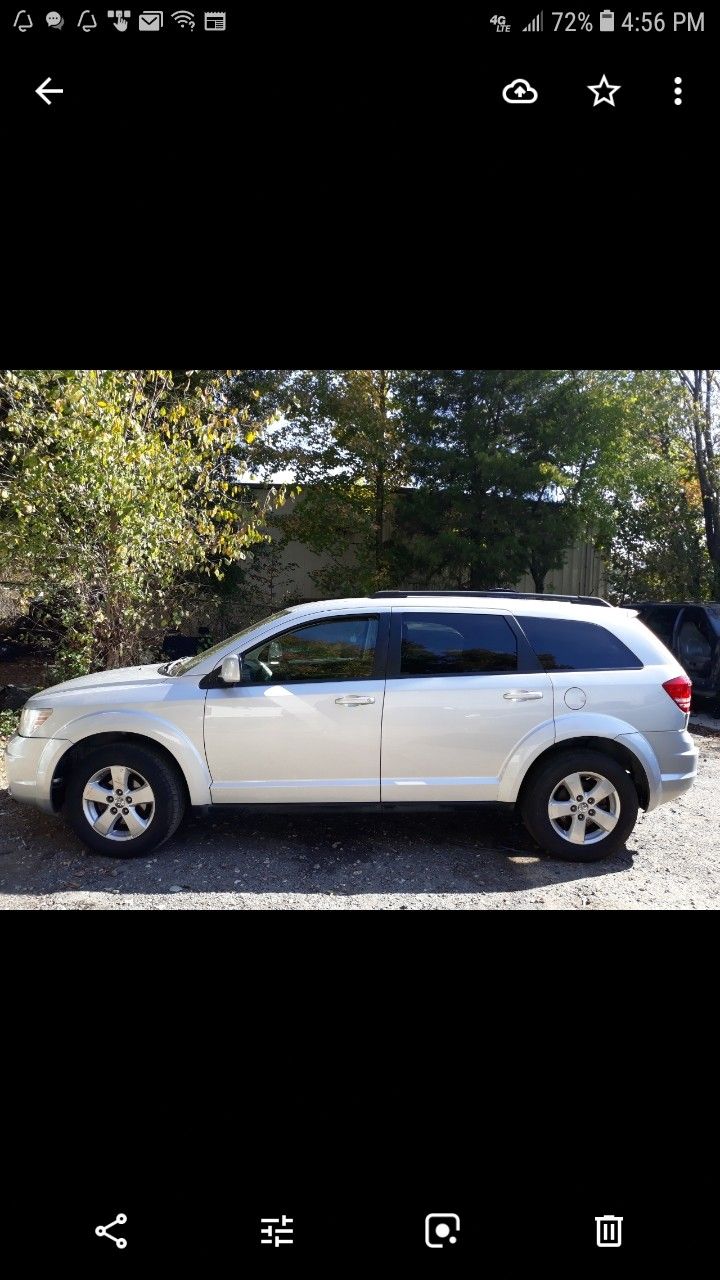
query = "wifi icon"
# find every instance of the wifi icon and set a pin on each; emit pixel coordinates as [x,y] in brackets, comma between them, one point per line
[185,19]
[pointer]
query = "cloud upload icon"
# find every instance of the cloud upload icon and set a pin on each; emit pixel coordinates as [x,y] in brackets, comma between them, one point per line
[519,91]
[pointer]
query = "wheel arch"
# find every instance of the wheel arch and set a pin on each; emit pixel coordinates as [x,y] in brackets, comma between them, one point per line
[606,746]
[78,750]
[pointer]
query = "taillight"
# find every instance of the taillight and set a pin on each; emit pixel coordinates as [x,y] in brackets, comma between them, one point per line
[680,690]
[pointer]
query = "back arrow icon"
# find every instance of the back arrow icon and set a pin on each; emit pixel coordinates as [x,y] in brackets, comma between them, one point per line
[42,91]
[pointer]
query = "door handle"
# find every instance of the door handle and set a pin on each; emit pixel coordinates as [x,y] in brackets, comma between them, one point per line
[522,695]
[353,700]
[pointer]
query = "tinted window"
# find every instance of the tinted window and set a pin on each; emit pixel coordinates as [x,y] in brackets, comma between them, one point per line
[562,645]
[340,650]
[456,645]
[695,643]
[661,621]
[701,620]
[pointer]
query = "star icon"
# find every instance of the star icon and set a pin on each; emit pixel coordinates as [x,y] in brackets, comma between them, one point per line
[609,91]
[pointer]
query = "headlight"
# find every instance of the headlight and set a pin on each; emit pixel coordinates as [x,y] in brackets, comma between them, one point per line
[31,719]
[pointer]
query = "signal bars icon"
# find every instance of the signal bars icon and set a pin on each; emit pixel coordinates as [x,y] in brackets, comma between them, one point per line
[536,24]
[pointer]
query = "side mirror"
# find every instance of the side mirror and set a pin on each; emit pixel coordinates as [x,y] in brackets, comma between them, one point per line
[230,671]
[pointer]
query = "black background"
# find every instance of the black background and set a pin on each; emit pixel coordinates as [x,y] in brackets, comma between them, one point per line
[355,1075]
[330,189]
[513,1213]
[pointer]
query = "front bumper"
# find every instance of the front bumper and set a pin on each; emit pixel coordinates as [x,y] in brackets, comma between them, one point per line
[30,764]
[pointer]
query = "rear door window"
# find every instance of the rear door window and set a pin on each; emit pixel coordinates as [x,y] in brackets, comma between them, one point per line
[462,644]
[562,644]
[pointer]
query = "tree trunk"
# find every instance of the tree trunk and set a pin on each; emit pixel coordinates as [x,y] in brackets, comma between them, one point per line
[699,388]
[538,572]
[478,580]
[380,475]
[379,518]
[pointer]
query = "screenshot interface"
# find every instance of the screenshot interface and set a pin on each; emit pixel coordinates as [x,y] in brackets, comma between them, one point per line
[607,78]
[338,136]
[281,1233]
[206,185]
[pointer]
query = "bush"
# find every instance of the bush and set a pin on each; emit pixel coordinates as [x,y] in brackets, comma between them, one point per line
[8,723]
[119,488]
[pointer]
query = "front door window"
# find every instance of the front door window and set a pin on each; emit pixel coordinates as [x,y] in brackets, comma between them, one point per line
[343,650]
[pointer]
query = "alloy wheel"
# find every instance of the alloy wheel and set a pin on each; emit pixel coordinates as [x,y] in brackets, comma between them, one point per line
[584,808]
[118,803]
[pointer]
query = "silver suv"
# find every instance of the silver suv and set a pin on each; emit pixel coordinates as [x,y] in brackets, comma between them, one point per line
[565,707]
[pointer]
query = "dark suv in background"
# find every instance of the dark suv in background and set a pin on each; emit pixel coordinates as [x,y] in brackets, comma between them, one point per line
[692,633]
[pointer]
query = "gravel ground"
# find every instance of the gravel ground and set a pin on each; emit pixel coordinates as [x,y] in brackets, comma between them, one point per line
[477,861]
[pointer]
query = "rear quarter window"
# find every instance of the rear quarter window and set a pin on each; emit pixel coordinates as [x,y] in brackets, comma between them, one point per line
[566,645]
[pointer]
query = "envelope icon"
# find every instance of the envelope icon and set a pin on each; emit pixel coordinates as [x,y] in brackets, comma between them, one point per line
[150,21]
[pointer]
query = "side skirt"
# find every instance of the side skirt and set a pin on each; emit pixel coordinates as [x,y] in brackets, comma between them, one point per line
[416,806]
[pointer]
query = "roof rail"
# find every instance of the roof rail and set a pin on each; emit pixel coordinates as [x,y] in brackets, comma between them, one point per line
[510,595]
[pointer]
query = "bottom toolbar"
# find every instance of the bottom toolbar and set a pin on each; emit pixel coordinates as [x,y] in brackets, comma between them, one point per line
[285,1229]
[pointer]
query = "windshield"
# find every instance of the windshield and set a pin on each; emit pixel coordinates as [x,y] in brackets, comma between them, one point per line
[181,665]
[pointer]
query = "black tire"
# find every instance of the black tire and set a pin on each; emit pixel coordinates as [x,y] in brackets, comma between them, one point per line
[161,817]
[545,786]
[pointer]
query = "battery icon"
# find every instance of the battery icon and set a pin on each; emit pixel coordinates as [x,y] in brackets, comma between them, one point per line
[607,20]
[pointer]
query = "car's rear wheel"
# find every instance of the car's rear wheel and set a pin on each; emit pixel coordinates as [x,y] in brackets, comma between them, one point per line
[124,800]
[580,806]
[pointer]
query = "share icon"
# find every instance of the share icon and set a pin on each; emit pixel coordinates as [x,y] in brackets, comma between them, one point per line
[105,1231]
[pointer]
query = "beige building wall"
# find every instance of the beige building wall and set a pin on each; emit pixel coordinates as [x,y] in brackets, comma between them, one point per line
[583,572]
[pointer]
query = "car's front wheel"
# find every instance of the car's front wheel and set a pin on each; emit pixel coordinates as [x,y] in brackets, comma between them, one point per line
[124,800]
[580,806]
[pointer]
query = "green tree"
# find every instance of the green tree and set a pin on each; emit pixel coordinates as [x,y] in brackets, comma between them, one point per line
[645,495]
[699,391]
[340,441]
[657,550]
[502,463]
[118,489]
